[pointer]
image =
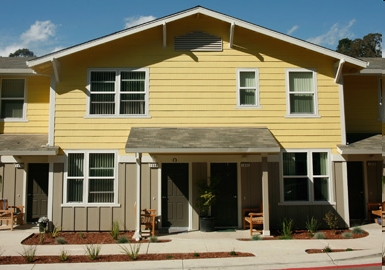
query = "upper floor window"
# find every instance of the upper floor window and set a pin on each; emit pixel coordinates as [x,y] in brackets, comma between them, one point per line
[301,93]
[306,176]
[118,92]
[91,178]
[12,98]
[248,87]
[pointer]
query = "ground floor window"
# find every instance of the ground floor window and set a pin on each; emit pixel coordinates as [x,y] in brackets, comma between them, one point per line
[306,176]
[91,178]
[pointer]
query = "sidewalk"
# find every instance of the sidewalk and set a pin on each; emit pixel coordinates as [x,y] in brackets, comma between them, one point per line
[274,254]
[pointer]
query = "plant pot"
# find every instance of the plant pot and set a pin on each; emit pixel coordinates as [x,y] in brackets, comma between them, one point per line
[206,224]
[42,227]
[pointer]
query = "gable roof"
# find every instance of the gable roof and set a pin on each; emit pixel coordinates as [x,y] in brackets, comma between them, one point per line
[232,21]
[15,65]
[376,65]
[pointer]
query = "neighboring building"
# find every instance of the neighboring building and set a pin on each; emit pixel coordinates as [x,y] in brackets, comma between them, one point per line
[135,119]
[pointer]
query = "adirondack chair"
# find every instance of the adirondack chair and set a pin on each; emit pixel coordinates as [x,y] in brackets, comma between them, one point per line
[147,220]
[11,214]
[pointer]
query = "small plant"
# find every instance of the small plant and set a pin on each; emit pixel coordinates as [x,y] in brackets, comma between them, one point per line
[123,240]
[312,225]
[115,230]
[93,251]
[29,253]
[348,249]
[287,229]
[358,230]
[153,239]
[81,235]
[347,235]
[196,254]
[133,252]
[168,257]
[319,235]
[64,255]
[41,238]
[331,220]
[327,249]
[55,231]
[233,253]
[61,240]
[256,237]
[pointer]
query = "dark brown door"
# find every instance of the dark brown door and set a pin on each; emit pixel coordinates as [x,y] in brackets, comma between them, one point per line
[356,190]
[225,208]
[37,191]
[175,194]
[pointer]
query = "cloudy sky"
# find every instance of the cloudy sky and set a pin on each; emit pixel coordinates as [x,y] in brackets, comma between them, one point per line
[46,26]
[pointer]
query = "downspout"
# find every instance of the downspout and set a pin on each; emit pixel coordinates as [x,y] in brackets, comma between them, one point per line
[138,234]
[231,38]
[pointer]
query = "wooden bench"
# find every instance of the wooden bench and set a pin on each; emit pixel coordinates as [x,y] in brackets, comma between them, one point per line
[147,220]
[252,216]
[11,214]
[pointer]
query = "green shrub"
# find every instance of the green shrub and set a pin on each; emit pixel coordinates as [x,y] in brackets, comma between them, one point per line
[92,251]
[347,235]
[61,240]
[233,253]
[81,235]
[196,254]
[358,230]
[29,253]
[123,240]
[256,237]
[115,230]
[41,238]
[327,249]
[133,252]
[312,225]
[287,229]
[349,249]
[331,220]
[55,231]
[319,235]
[64,255]
[153,239]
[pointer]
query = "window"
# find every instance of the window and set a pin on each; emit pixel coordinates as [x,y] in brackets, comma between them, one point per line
[12,98]
[91,178]
[306,176]
[118,92]
[301,92]
[248,87]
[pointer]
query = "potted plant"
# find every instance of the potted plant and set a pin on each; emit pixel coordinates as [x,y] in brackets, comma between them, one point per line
[207,194]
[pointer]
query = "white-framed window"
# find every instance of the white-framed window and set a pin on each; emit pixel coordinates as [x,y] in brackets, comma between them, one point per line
[301,90]
[306,176]
[118,92]
[12,105]
[91,178]
[247,87]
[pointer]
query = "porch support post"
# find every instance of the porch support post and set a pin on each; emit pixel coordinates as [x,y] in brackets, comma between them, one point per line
[138,234]
[265,197]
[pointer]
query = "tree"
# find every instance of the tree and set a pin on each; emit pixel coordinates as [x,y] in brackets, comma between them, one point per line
[368,46]
[22,53]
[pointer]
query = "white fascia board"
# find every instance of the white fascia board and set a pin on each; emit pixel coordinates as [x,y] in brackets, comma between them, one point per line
[194,11]
[21,71]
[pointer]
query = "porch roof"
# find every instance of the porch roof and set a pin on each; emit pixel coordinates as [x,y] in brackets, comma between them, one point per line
[201,140]
[23,145]
[373,145]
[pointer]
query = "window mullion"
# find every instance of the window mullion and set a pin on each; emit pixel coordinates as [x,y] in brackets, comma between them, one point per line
[86,177]
[310,175]
[117,92]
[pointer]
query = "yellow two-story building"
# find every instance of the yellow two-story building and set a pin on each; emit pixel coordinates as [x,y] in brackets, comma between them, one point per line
[96,132]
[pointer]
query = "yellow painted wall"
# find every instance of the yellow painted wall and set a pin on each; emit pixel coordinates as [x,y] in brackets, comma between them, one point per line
[361,104]
[194,89]
[37,109]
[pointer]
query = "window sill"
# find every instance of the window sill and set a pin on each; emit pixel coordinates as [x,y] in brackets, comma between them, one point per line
[14,120]
[248,107]
[300,203]
[302,116]
[96,116]
[90,205]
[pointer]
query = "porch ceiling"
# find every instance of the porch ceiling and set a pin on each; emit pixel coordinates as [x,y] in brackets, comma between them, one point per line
[23,145]
[201,140]
[373,145]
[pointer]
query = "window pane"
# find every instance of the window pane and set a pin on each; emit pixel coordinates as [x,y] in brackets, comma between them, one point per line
[12,88]
[102,104]
[101,190]
[294,164]
[133,81]
[321,189]
[320,163]
[12,108]
[296,189]
[247,97]
[74,190]
[301,81]
[101,165]
[247,79]
[102,81]
[132,104]
[75,165]
[301,103]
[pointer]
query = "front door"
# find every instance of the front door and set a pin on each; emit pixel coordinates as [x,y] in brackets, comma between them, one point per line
[175,195]
[37,203]
[356,190]
[225,207]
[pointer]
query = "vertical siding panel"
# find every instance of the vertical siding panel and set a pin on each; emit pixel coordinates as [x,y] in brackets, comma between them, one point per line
[57,196]
[105,218]
[130,194]
[68,222]
[145,187]
[93,219]
[80,218]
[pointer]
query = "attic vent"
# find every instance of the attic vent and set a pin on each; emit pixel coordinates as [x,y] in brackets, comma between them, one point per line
[198,41]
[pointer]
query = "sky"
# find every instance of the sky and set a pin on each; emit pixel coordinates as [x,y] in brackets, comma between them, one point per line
[45,26]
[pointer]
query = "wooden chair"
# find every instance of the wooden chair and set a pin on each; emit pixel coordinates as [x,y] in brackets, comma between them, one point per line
[252,216]
[11,214]
[147,220]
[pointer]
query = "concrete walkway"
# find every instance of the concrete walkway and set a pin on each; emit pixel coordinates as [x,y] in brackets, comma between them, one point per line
[275,254]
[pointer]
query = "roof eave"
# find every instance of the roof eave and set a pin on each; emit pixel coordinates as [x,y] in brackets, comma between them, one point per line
[20,71]
[202,150]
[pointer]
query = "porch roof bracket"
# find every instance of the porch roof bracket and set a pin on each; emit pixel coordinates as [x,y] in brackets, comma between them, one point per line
[138,234]
[164,35]
[339,70]
[56,69]
[231,39]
